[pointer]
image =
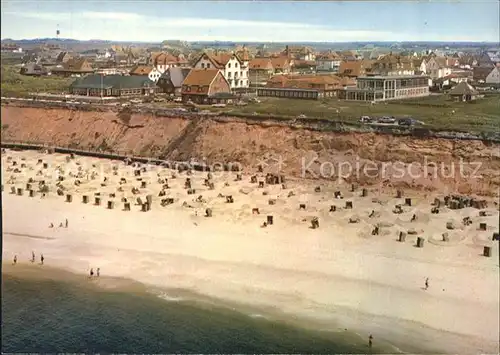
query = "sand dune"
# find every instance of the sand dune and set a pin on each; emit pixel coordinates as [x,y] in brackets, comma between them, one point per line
[339,275]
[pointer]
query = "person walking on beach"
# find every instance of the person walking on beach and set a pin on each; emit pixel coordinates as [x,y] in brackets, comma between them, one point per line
[66,223]
[15,259]
[41,259]
[426,283]
[370,341]
[91,272]
[98,272]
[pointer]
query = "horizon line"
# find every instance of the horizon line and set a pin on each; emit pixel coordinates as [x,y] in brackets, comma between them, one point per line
[230,41]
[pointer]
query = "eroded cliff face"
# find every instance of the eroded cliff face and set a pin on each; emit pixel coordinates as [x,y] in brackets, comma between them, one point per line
[374,159]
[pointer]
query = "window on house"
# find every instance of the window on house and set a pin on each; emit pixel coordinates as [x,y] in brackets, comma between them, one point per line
[229,65]
[236,65]
[202,65]
[229,74]
[208,65]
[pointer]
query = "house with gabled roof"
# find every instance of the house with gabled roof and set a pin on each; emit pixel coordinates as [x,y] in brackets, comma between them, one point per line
[328,62]
[79,66]
[33,69]
[233,68]
[493,77]
[204,85]
[437,67]
[152,73]
[171,80]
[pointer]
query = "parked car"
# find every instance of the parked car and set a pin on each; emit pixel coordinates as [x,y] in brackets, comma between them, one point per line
[254,100]
[302,116]
[365,119]
[136,101]
[178,99]
[387,119]
[405,122]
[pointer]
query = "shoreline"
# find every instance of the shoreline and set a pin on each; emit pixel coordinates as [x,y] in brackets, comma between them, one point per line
[335,277]
[37,272]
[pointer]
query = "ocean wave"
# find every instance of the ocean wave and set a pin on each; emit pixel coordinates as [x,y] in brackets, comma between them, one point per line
[257,315]
[169,298]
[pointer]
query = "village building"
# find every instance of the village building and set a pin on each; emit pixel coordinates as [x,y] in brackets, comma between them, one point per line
[493,77]
[205,86]
[260,71]
[162,61]
[391,64]
[355,68]
[437,67]
[464,92]
[328,62]
[299,53]
[453,79]
[64,57]
[34,69]
[383,88]
[10,47]
[171,80]
[304,66]
[233,68]
[75,67]
[309,87]
[282,65]
[152,73]
[113,86]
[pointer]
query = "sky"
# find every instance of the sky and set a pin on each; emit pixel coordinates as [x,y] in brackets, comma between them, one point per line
[266,21]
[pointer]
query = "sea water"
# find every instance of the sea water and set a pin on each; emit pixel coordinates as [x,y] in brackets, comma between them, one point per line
[49,315]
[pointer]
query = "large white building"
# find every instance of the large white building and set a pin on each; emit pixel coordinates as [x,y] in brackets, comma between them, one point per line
[234,67]
[390,87]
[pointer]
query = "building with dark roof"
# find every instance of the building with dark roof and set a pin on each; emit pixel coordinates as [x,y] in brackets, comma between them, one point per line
[79,66]
[464,92]
[171,80]
[33,69]
[113,85]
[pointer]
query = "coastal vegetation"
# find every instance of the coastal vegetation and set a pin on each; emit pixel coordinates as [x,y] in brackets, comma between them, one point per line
[17,85]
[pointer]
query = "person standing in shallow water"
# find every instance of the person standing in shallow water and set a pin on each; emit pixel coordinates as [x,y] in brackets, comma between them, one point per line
[370,341]
[98,272]
[32,256]
[41,259]
[91,272]
[66,223]
[426,283]
[15,259]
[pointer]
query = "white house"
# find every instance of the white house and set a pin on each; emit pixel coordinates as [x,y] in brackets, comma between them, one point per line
[329,62]
[234,69]
[152,73]
[436,68]
[493,77]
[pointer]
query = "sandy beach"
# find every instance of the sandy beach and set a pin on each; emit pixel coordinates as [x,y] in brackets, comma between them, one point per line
[336,276]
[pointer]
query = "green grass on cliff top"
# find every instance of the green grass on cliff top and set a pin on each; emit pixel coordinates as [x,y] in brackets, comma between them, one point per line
[17,85]
[436,111]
